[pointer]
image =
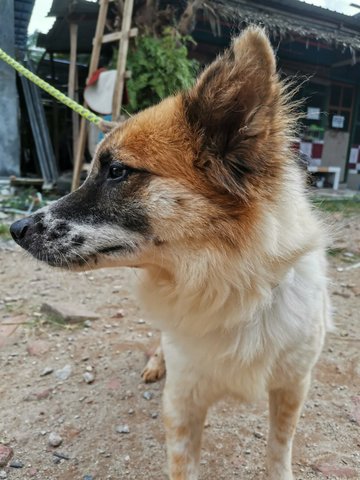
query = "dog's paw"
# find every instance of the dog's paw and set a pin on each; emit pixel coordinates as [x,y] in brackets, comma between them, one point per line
[155,367]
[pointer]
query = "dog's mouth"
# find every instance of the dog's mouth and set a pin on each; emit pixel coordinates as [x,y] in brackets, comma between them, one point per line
[71,246]
[73,259]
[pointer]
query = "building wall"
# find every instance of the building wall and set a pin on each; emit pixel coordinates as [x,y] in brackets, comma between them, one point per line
[9,124]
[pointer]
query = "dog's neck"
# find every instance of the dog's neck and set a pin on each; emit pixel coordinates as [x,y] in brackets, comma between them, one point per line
[197,286]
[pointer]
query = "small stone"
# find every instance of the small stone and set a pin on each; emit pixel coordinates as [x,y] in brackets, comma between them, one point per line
[258,435]
[68,313]
[247,452]
[46,371]
[342,294]
[6,454]
[355,413]
[54,439]
[88,477]
[123,429]
[127,458]
[88,377]
[63,373]
[61,455]
[38,348]
[88,323]
[335,471]
[3,474]
[356,291]
[141,321]
[148,395]
[131,411]
[16,464]
[40,395]
[113,384]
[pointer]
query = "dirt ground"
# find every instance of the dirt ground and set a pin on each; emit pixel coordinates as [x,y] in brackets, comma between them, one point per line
[113,348]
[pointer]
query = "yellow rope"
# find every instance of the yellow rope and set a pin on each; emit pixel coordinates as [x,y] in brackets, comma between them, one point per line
[84,112]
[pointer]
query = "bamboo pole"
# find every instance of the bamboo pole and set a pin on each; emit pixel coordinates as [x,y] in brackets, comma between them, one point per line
[94,63]
[121,61]
[72,81]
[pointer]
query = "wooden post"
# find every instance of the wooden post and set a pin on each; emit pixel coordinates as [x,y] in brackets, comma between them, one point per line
[55,112]
[100,26]
[72,81]
[121,61]
[94,62]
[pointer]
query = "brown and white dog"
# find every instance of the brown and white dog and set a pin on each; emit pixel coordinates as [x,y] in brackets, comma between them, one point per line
[204,194]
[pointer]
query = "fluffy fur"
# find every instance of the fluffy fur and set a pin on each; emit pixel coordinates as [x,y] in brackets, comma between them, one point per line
[204,194]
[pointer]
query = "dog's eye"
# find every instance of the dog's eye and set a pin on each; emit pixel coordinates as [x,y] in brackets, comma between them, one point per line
[119,172]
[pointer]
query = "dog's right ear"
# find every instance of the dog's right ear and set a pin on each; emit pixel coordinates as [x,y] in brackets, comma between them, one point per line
[233,101]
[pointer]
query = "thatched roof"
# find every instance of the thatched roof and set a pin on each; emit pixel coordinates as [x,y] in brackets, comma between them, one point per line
[293,18]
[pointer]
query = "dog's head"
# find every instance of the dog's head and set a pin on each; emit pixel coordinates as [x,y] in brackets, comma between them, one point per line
[191,170]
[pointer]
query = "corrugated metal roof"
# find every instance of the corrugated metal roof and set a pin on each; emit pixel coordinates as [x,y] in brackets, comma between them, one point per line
[82,12]
[22,13]
[292,17]
[62,8]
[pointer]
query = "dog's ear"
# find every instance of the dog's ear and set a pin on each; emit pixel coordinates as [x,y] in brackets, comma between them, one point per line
[230,106]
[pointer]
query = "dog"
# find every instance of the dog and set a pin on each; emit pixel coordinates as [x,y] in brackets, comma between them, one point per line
[203,193]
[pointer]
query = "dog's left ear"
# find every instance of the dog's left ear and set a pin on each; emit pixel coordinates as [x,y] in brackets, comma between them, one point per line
[230,106]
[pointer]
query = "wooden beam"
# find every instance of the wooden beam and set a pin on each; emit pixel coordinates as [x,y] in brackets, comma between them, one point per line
[94,63]
[114,36]
[121,60]
[72,81]
[73,52]
[79,155]
[100,26]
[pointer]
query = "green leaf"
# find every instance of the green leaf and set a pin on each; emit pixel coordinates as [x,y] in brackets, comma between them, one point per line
[160,67]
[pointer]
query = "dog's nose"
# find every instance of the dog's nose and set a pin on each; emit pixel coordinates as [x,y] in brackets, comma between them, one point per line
[18,229]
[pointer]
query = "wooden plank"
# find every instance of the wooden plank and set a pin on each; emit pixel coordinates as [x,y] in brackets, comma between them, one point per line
[114,36]
[121,61]
[94,62]
[100,25]
[15,181]
[73,52]
[72,81]
[79,155]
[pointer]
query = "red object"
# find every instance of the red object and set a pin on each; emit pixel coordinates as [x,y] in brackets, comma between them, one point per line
[95,76]
[317,149]
[295,146]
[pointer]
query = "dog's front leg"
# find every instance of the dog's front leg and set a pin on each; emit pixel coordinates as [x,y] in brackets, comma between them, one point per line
[285,407]
[184,417]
